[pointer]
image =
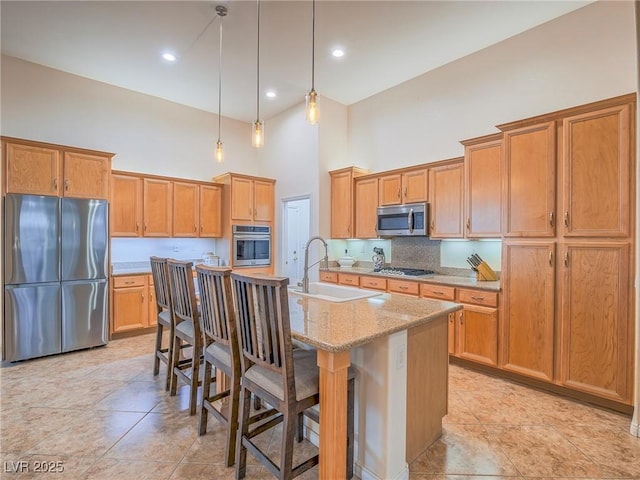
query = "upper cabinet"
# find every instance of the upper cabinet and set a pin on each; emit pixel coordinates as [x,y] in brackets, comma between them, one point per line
[366,203]
[44,169]
[596,165]
[446,200]
[342,201]
[125,207]
[156,207]
[483,186]
[403,187]
[250,199]
[530,181]
[151,206]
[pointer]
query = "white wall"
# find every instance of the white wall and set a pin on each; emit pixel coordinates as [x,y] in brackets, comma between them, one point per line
[147,134]
[584,56]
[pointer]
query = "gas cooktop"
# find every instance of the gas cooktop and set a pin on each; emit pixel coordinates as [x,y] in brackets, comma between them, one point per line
[404,271]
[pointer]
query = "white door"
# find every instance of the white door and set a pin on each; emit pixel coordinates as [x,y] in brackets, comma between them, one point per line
[295,235]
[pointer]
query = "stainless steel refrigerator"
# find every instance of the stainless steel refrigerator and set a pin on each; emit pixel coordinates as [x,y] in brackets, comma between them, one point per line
[55,278]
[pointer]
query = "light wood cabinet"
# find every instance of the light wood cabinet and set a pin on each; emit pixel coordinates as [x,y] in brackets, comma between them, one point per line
[405,287]
[597,171]
[210,211]
[374,283]
[330,277]
[530,181]
[528,280]
[349,279]
[446,201]
[37,168]
[157,211]
[130,303]
[342,201]
[596,334]
[437,291]
[125,209]
[477,334]
[403,187]
[366,204]
[186,209]
[251,199]
[483,186]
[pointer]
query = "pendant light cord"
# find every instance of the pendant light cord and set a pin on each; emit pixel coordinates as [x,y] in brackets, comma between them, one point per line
[220,78]
[313,46]
[258,69]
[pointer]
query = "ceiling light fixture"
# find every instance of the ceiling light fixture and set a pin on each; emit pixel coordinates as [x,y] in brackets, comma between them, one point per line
[338,52]
[169,57]
[311,111]
[270,94]
[221,10]
[257,136]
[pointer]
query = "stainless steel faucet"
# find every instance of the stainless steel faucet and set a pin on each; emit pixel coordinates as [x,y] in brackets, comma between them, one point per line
[305,278]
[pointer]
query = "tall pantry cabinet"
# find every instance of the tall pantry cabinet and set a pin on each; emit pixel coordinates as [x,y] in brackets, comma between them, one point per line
[569,192]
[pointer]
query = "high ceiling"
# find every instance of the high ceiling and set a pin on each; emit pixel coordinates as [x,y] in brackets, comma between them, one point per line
[385,43]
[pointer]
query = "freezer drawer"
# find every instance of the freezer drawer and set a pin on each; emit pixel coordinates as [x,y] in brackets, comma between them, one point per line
[31,252]
[31,321]
[84,239]
[84,314]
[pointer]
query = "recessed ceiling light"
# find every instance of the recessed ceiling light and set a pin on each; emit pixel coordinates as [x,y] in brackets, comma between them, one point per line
[169,57]
[270,94]
[337,52]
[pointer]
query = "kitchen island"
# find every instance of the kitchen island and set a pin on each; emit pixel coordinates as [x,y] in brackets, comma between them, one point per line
[398,348]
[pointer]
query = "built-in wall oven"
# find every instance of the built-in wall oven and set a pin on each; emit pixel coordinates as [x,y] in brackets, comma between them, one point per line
[251,245]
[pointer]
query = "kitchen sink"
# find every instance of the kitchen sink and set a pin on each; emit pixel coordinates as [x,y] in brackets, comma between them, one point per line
[332,293]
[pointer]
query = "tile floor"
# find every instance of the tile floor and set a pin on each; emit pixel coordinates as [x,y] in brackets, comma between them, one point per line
[102,415]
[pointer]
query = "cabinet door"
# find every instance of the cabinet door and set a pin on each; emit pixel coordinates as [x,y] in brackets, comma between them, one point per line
[125,209]
[210,211]
[241,199]
[157,207]
[596,328]
[341,204]
[445,198]
[530,181]
[414,186]
[186,209]
[478,334]
[597,173]
[390,189]
[32,170]
[366,200]
[263,200]
[529,288]
[483,185]
[130,308]
[86,176]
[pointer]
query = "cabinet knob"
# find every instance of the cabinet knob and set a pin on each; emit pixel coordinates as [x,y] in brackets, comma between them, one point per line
[142,297]
[66,184]
[137,226]
[468,224]
[461,318]
[55,184]
[551,219]
[195,229]
[566,259]
[405,192]
[477,299]
[551,258]
[398,193]
[566,219]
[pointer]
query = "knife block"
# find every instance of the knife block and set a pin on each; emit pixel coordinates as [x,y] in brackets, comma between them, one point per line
[485,273]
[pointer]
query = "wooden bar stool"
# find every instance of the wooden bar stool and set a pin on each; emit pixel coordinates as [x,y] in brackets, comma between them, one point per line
[186,331]
[164,314]
[285,378]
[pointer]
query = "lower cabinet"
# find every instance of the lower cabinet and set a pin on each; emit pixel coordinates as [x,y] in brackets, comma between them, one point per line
[477,334]
[133,303]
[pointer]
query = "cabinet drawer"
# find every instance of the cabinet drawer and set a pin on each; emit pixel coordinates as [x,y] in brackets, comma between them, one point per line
[373,282]
[478,297]
[440,292]
[331,277]
[349,279]
[403,286]
[130,281]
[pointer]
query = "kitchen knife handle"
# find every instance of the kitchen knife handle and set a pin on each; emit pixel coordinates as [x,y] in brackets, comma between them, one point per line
[566,259]
[566,219]
[551,218]
[551,258]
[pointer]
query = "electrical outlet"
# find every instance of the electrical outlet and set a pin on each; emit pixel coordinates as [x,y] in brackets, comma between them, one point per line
[175,247]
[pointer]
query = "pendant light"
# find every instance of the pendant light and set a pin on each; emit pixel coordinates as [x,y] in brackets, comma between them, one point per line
[257,135]
[312,97]
[221,10]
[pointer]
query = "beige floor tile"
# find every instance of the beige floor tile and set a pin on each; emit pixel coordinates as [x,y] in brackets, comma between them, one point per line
[134,397]
[198,471]
[25,467]
[458,411]
[113,469]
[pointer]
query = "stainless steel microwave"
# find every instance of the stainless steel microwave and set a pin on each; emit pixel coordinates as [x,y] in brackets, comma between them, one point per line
[251,245]
[403,220]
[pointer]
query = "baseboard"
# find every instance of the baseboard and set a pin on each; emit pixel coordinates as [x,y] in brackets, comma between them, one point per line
[365,474]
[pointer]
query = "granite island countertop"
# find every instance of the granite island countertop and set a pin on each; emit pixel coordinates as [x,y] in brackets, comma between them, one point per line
[138,268]
[455,281]
[341,326]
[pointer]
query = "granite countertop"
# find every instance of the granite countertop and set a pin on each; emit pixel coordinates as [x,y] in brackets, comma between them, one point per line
[452,280]
[138,268]
[331,326]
